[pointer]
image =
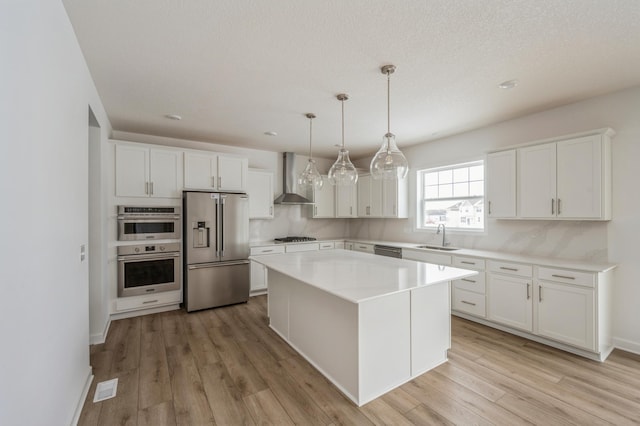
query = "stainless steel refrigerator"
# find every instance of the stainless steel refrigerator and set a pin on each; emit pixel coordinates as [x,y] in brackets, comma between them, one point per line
[216,252]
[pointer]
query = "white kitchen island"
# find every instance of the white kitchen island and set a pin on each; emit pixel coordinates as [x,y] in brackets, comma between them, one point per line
[368,323]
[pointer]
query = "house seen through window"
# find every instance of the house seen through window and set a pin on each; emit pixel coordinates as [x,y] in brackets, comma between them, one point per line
[453,196]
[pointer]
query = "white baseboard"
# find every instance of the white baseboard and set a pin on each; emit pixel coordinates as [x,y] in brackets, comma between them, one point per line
[83,397]
[96,339]
[626,345]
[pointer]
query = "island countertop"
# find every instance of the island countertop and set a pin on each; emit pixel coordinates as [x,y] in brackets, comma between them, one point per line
[358,277]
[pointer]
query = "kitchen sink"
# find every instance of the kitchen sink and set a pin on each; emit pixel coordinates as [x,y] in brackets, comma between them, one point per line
[438,248]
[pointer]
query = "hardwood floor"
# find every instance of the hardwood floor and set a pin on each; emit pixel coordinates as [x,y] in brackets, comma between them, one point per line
[225,366]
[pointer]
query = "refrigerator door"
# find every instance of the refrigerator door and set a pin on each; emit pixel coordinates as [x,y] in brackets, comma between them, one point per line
[216,284]
[200,226]
[233,232]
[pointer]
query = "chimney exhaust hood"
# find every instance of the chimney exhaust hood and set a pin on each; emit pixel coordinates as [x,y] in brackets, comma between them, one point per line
[289,182]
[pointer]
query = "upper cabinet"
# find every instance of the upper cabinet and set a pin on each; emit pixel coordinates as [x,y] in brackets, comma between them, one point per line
[147,172]
[501,184]
[382,198]
[346,200]
[215,172]
[324,200]
[260,191]
[568,178]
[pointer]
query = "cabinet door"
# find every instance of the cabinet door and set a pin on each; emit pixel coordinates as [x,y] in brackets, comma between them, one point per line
[346,201]
[232,173]
[579,182]
[258,277]
[260,191]
[501,184]
[200,171]
[510,301]
[164,173]
[377,198]
[364,196]
[566,313]
[325,200]
[132,171]
[537,181]
[390,197]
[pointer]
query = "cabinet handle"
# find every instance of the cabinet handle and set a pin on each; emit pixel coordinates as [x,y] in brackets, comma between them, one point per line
[213,181]
[146,187]
[553,206]
[539,293]
[368,211]
[528,292]
[558,206]
[509,269]
[467,280]
[267,251]
[219,182]
[151,188]
[150,301]
[566,277]
[489,206]
[467,263]
[271,210]
[350,211]
[468,303]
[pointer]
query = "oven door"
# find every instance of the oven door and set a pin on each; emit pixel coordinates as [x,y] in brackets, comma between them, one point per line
[133,229]
[152,273]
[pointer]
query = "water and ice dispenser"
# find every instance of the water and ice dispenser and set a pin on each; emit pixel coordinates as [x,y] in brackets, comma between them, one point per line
[200,234]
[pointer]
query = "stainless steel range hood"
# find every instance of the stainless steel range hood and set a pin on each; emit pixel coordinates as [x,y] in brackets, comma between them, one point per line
[289,182]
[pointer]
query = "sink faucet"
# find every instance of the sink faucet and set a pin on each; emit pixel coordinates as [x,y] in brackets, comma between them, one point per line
[444,232]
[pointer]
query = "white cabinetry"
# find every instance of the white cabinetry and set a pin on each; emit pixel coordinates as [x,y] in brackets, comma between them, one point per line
[324,200]
[501,184]
[426,256]
[382,198]
[259,271]
[346,200]
[364,247]
[215,172]
[147,172]
[510,301]
[566,179]
[468,294]
[260,191]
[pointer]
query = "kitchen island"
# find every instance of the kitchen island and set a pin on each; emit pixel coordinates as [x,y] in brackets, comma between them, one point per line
[368,323]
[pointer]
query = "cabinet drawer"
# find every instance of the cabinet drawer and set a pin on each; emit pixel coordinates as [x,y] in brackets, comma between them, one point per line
[471,303]
[469,263]
[427,256]
[511,268]
[267,250]
[567,276]
[150,301]
[293,248]
[367,248]
[327,246]
[476,283]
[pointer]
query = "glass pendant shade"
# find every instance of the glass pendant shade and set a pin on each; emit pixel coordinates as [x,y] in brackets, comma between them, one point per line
[310,175]
[389,162]
[343,172]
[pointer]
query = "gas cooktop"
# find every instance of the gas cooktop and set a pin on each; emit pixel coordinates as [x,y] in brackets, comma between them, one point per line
[294,239]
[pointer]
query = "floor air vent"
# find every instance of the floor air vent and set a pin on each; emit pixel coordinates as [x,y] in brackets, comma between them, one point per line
[106,390]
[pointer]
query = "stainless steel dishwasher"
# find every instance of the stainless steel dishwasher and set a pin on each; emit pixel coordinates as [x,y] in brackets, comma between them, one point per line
[389,251]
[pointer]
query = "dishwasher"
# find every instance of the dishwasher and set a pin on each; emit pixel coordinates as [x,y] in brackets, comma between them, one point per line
[389,251]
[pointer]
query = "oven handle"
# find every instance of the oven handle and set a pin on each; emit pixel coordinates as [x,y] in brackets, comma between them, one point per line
[149,218]
[148,256]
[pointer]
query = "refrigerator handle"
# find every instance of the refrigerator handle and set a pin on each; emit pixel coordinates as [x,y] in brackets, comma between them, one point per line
[217,228]
[220,227]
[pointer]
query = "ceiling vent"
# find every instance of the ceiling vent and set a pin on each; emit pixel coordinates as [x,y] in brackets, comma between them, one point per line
[289,182]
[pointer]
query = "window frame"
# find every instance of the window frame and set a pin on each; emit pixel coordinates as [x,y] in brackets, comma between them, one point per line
[420,196]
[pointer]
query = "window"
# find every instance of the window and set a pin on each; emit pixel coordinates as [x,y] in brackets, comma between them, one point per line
[453,196]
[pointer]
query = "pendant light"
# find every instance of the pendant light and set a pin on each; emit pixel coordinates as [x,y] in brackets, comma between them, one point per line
[310,175]
[389,162]
[343,172]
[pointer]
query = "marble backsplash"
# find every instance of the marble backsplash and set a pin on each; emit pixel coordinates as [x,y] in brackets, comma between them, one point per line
[576,240]
[295,220]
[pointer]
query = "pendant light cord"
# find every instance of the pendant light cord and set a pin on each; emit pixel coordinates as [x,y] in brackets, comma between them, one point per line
[388,102]
[342,102]
[310,136]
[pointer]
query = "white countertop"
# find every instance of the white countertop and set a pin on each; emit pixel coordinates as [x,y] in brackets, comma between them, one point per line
[356,276]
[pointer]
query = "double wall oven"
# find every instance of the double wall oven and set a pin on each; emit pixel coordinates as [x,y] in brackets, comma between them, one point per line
[151,267]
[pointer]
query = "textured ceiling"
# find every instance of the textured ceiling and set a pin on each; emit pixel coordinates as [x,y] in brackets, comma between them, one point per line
[234,69]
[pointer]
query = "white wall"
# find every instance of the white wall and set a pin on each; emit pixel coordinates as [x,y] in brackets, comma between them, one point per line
[45,94]
[614,241]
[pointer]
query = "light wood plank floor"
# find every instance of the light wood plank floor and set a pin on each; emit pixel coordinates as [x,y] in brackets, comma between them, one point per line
[225,366]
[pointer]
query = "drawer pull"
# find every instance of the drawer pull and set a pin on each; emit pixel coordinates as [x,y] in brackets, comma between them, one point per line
[528,294]
[566,277]
[468,280]
[467,263]
[509,269]
[266,251]
[539,293]
[468,303]
[150,301]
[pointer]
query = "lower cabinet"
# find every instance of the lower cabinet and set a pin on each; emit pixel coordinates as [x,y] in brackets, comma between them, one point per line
[510,301]
[259,271]
[148,301]
[468,295]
